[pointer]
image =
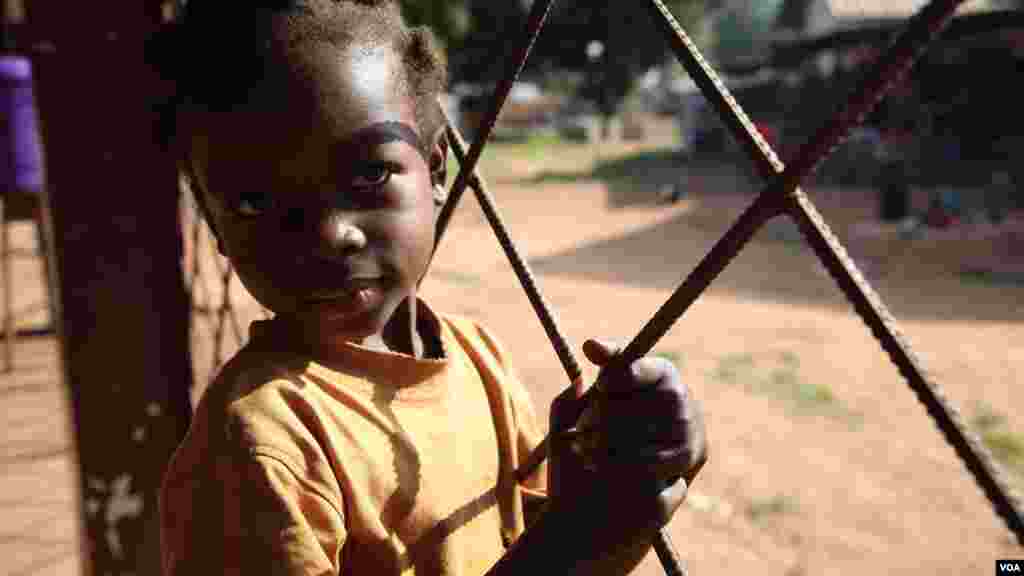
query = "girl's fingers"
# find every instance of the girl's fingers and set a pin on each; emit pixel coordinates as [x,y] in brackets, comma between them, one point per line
[647,419]
[659,432]
[600,351]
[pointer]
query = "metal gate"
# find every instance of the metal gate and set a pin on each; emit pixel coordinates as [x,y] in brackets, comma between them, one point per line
[780,197]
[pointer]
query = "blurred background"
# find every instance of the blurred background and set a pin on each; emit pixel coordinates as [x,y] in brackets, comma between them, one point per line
[616,177]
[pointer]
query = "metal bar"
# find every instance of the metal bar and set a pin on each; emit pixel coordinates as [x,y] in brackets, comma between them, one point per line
[522,270]
[729,245]
[711,86]
[887,71]
[661,542]
[668,556]
[686,294]
[923,26]
[869,306]
[534,23]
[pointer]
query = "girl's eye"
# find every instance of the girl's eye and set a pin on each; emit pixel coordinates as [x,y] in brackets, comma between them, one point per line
[371,176]
[253,203]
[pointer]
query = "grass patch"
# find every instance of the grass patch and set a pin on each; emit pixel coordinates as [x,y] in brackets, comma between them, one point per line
[988,278]
[456,277]
[559,177]
[760,510]
[783,382]
[636,165]
[535,146]
[637,170]
[1006,446]
[734,369]
[538,145]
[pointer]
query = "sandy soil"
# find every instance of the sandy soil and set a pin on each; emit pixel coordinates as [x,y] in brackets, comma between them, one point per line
[823,462]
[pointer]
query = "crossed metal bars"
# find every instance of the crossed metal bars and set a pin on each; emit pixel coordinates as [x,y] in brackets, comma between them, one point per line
[780,196]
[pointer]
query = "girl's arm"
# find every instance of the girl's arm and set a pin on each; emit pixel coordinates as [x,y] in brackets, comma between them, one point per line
[595,532]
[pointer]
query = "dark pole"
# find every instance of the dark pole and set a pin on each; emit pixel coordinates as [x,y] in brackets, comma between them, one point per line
[110,207]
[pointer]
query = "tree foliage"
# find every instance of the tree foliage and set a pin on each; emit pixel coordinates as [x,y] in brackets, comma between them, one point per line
[480,34]
[447,18]
[632,44]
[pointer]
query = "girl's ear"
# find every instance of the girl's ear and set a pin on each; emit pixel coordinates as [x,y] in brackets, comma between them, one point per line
[439,166]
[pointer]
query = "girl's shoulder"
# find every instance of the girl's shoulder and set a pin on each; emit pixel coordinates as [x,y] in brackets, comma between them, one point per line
[471,333]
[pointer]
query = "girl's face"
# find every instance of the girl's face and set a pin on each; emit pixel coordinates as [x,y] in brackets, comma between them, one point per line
[320,190]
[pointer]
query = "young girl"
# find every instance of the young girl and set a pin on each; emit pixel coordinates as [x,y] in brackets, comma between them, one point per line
[359,431]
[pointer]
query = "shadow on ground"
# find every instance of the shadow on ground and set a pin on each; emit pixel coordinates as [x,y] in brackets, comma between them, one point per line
[637,179]
[911,278]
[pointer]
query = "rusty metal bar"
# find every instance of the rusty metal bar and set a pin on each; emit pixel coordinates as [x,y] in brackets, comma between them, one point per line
[924,26]
[887,71]
[709,268]
[718,95]
[667,555]
[869,306]
[534,23]
[921,29]
[662,544]
[522,271]
[781,195]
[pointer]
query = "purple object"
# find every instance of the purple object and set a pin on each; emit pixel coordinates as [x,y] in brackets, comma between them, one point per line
[20,151]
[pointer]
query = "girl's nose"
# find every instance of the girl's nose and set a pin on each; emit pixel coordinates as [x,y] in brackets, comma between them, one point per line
[339,236]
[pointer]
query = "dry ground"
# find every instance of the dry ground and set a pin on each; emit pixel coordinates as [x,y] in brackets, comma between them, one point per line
[822,460]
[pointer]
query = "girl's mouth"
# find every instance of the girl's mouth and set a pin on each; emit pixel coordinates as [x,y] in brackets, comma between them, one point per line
[348,289]
[357,299]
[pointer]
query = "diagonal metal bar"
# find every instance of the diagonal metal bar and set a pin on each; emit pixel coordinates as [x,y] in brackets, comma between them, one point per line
[662,543]
[534,23]
[519,266]
[869,306]
[924,25]
[709,268]
[711,86]
[888,71]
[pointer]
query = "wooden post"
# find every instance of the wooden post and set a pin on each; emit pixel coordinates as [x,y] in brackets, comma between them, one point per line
[111,217]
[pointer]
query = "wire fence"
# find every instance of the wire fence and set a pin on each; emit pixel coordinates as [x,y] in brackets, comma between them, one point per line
[221,307]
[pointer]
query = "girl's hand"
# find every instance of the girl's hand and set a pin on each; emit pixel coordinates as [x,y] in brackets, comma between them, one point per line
[643,440]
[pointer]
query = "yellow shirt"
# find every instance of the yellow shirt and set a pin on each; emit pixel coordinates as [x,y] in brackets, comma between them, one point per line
[381,464]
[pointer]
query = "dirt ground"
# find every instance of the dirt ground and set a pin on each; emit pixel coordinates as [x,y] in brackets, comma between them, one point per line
[822,460]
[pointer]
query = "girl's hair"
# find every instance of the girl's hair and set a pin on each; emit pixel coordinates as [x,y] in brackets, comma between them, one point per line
[217,50]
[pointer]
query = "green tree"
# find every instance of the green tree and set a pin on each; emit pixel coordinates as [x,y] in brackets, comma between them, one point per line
[632,42]
[479,35]
[448,18]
